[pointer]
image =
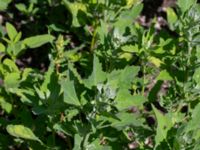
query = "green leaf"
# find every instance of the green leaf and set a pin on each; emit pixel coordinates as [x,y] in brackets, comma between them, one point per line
[97,76]
[171,17]
[11,65]
[78,141]
[12,80]
[47,78]
[196,76]
[122,78]
[5,105]
[18,37]
[196,39]
[125,100]
[64,128]
[127,56]
[102,31]
[75,8]
[4,4]
[15,49]
[126,119]
[126,17]
[130,48]
[164,75]
[70,96]
[97,146]
[164,125]
[157,62]
[37,41]
[130,3]
[21,131]
[21,7]
[12,32]
[193,124]
[185,4]
[75,72]
[2,48]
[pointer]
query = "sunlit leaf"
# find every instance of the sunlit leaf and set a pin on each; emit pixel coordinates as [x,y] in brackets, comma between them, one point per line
[130,48]
[122,78]
[164,75]
[2,48]
[125,100]
[70,96]
[5,105]
[157,62]
[171,17]
[97,76]
[130,3]
[4,4]
[12,32]
[38,40]
[78,140]
[185,4]
[21,131]
[164,124]
[12,80]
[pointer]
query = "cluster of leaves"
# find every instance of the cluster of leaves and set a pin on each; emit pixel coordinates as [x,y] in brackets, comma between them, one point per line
[109,82]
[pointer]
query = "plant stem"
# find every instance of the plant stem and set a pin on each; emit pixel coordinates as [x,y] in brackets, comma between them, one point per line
[144,77]
[93,40]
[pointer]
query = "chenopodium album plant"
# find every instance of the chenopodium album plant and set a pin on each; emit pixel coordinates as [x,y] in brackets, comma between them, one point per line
[100,98]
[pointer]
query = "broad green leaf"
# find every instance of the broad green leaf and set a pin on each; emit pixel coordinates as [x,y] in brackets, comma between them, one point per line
[12,32]
[11,65]
[21,7]
[171,17]
[37,41]
[164,124]
[164,75]
[15,49]
[70,96]
[193,124]
[5,105]
[78,141]
[126,17]
[21,131]
[4,4]
[185,4]
[125,100]
[2,48]
[125,119]
[97,76]
[130,48]
[12,80]
[122,78]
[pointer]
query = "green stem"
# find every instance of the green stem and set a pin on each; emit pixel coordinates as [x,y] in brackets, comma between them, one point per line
[93,39]
[144,77]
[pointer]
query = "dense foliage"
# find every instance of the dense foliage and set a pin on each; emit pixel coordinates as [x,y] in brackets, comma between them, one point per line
[84,74]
